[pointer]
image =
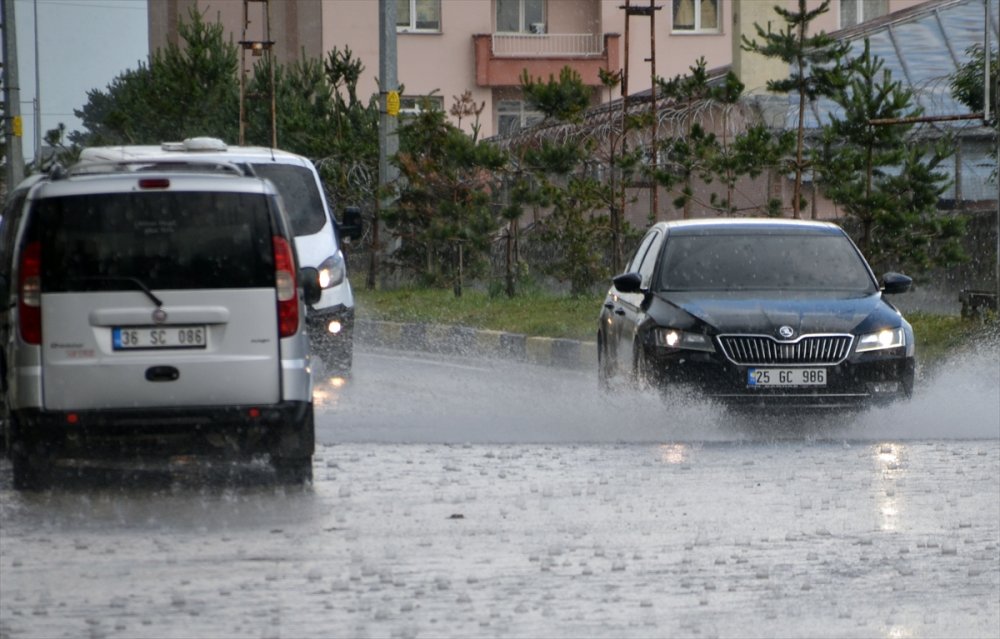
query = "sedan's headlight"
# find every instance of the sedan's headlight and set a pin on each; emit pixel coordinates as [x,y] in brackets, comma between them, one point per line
[886,338]
[673,338]
[332,271]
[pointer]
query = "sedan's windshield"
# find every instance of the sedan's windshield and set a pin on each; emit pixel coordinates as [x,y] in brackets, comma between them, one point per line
[763,262]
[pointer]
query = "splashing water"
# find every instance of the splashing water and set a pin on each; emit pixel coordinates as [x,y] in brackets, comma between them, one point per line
[413,399]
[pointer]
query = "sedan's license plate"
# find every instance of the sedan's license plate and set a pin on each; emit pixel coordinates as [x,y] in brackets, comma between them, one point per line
[149,337]
[757,377]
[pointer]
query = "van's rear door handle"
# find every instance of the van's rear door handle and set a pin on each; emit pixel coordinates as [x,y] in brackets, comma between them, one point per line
[162,374]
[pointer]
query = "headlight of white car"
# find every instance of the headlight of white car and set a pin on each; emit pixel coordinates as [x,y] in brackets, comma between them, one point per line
[673,338]
[332,271]
[886,338]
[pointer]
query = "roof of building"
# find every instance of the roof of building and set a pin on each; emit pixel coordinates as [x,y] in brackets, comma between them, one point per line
[923,46]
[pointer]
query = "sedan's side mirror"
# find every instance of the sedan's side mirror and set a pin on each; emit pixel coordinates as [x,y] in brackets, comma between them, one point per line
[351,226]
[628,283]
[893,283]
[309,281]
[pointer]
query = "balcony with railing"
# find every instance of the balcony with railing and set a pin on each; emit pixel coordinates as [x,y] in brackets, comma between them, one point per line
[541,45]
[502,57]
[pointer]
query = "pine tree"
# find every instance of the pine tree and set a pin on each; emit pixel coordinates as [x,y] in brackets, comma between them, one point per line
[887,177]
[813,60]
[444,215]
[695,154]
[967,87]
[557,177]
[186,90]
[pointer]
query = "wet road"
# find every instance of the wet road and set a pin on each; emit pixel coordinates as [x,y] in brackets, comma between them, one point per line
[460,498]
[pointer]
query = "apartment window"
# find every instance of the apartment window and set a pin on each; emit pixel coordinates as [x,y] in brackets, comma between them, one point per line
[695,16]
[520,16]
[411,105]
[513,115]
[854,12]
[418,15]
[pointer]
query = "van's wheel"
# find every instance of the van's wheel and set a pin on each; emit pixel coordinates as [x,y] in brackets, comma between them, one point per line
[30,471]
[292,458]
[293,470]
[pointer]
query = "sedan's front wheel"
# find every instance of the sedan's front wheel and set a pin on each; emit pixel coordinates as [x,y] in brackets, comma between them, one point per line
[605,365]
[644,375]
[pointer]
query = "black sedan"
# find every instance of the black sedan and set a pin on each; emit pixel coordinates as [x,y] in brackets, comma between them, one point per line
[757,312]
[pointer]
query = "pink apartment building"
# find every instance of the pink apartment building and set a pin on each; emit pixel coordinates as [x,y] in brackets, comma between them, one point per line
[448,47]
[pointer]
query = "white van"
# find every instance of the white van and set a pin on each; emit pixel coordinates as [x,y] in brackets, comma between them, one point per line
[154,311]
[318,236]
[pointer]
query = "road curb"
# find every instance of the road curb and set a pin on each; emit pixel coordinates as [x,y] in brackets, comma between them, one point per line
[471,342]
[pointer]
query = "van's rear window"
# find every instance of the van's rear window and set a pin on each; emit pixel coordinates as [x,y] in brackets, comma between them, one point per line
[300,194]
[166,240]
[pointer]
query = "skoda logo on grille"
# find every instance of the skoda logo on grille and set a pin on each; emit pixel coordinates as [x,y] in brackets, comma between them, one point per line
[159,316]
[786,332]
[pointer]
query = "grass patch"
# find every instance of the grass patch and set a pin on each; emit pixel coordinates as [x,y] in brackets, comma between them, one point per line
[545,315]
[534,314]
[939,335]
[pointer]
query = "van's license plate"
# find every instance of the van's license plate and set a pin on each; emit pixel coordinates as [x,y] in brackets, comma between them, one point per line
[786,377]
[124,338]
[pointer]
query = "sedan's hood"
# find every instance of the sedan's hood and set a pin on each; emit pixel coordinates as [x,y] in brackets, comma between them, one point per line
[761,313]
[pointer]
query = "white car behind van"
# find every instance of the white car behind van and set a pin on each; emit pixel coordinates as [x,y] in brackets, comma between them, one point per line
[318,236]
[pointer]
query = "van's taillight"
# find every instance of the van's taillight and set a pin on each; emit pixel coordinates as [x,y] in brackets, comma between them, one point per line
[154,183]
[287,286]
[29,294]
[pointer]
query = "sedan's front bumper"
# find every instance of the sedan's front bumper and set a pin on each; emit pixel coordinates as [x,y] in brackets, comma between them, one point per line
[858,381]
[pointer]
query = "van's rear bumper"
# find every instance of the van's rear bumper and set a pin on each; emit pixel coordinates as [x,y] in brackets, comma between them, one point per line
[228,431]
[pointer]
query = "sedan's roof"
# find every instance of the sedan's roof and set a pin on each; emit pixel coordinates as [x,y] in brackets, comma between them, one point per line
[750,226]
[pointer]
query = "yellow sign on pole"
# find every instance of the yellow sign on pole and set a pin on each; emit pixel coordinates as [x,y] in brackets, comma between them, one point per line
[18,126]
[392,103]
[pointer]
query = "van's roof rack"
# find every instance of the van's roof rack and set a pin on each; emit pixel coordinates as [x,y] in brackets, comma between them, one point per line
[196,144]
[153,164]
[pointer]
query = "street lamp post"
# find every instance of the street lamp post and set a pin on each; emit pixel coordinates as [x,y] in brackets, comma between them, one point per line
[38,100]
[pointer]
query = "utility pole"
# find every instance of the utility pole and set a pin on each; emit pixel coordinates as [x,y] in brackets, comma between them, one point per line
[646,12]
[388,140]
[38,99]
[12,97]
[987,81]
[257,48]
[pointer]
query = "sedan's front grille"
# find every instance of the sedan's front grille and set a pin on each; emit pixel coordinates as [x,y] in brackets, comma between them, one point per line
[760,350]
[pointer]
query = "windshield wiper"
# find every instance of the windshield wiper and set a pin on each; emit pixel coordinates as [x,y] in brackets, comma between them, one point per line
[123,278]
